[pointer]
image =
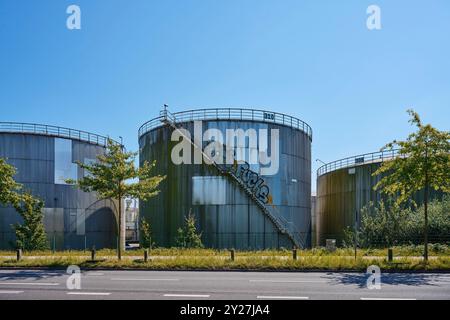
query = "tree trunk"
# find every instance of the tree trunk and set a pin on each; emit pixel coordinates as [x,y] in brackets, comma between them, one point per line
[425,231]
[119,242]
[425,206]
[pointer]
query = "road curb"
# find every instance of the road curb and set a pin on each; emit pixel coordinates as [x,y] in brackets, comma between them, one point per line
[443,271]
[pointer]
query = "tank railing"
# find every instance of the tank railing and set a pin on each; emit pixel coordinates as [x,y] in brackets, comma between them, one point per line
[357,160]
[230,114]
[42,129]
[166,115]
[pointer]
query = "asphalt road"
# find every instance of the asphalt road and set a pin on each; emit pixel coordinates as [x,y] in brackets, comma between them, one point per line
[33,284]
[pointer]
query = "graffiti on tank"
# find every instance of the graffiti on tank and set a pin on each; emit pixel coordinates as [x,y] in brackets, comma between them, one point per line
[252,181]
[248,177]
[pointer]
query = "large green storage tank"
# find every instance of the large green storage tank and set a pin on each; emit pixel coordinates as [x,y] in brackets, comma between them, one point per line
[226,214]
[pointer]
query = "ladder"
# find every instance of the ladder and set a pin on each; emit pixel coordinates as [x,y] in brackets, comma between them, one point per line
[284,227]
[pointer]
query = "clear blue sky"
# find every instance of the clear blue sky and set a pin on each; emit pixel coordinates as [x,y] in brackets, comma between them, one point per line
[312,59]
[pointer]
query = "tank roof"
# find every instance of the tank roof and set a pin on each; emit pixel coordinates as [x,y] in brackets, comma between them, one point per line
[53,131]
[237,114]
[361,159]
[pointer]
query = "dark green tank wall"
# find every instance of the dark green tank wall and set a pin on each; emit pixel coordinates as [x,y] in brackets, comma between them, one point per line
[238,222]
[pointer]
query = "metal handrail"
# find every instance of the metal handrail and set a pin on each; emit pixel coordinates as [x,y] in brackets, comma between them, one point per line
[358,160]
[54,131]
[230,114]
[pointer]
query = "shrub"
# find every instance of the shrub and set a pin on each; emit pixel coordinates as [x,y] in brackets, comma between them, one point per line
[187,235]
[146,234]
[387,224]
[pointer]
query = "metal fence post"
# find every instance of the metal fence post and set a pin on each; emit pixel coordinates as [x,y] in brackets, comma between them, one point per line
[19,254]
[232,254]
[390,255]
[93,253]
[145,255]
[294,253]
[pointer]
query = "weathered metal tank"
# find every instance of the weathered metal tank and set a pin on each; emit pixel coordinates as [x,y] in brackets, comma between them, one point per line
[344,187]
[44,157]
[237,204]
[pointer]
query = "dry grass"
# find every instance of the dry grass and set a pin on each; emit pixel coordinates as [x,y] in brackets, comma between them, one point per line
[242,262]
[404,251]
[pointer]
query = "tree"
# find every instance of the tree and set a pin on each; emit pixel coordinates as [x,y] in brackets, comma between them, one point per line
[9,188]
[146,234]
[423,162]
[30,235]
[187,236]
[112,176]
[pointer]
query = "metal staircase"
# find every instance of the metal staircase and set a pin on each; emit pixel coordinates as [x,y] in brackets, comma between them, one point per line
[285,227]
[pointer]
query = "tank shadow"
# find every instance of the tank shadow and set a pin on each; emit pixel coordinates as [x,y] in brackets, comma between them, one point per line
[394,279]
[31,274]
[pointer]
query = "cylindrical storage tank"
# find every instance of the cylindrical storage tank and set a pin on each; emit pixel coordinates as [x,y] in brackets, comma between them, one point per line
[344,187]
[44,156]
[236,205]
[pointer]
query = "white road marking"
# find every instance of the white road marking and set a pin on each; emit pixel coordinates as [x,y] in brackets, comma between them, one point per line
[10,292]
[281,297]
[289,281]
[143,279]
[94,274]
[388,299]
[30,283]
[187,295]
[89,293]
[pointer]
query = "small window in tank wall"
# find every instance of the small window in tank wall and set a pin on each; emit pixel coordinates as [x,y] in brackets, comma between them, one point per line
[64,167]
[208,190]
